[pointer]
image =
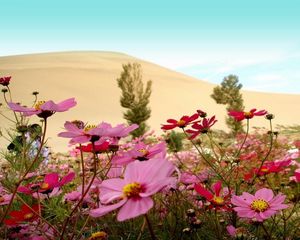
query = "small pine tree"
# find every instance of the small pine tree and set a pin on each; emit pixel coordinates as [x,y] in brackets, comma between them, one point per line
[229,94]
[134,97]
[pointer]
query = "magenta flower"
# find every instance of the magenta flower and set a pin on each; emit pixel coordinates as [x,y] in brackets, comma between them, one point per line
[50,182]
[202,127]
[4,81]
[44,109]
[218,198]
[274,166]
[260,206]
[181,123]
[133,193]
[239,115]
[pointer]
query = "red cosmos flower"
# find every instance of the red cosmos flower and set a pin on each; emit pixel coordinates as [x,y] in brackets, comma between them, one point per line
[183,122]
[97,148]
[4,81]
[25,214]
[44,109]
[274,166]
[216,199]
[203,127]
[50,182]
[239,116]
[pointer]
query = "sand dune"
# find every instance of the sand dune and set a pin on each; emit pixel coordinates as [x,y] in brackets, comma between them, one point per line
[90,77]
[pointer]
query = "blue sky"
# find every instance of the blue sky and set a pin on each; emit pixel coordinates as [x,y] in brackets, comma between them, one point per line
[257,40]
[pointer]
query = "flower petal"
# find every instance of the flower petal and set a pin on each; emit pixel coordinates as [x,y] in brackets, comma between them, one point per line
[102,210]
[135,207]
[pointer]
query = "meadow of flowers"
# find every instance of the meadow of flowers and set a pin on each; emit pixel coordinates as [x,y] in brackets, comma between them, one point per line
[196,184]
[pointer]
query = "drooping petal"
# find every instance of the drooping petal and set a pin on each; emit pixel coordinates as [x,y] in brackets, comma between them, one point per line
[135,207]
[102,210]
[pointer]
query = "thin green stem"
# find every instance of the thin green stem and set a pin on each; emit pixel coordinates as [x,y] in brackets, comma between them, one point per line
[206,160]
[267,155]
[150,228]
[82,197]
[26,172]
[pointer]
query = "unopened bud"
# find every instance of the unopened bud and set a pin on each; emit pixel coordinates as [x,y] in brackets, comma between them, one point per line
[270,116]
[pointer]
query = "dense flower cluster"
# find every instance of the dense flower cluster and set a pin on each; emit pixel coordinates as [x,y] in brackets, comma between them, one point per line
[113,186]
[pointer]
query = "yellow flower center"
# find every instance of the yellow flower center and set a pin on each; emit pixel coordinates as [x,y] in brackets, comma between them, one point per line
[132,189]
[264,169]
[98,236]
[38,105]
[259,205]
[143,151]
[28,216]
[89,127]
[248,114]
[218,200]
[44,186]
[181,123]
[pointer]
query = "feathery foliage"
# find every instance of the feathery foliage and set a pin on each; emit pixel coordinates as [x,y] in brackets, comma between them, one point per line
[134,97]
[228,93]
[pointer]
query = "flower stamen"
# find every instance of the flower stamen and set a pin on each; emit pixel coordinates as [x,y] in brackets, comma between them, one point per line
[259,205]
[132,189]
[38,105]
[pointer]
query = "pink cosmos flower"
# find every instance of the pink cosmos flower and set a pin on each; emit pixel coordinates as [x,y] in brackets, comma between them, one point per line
[202,127]
[50,182]
[188,178]
[132,194]
[260,206]
[239,115]
[140,151]
[218,199]
[5,199]
[4,81]
[44,109]
[82,134]
[183,122]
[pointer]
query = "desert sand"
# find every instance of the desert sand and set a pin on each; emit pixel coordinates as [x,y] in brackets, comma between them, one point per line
[90,77]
